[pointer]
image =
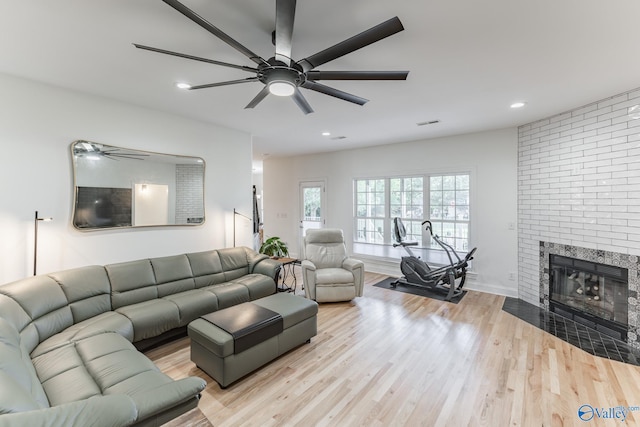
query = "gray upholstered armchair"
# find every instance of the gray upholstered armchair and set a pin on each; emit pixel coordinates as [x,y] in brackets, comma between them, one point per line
[328,273]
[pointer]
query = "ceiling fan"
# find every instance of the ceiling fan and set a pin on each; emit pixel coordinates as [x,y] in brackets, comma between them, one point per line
[280,74]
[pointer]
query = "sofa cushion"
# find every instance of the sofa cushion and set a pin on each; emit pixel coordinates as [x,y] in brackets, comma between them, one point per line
[206,267]
[173,274]
[151,318]
[229,294]
[107,364]
[44,302]
[20,388]
[258,285]
[194,303]
[234,262]
[329,276]
[131,282]
[16,316]
[105,322]
[87,290]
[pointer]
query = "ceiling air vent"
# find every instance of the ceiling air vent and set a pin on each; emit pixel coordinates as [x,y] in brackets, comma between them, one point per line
[335,138]
[431,122]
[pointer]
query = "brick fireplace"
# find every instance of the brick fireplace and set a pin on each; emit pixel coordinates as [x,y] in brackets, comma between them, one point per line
[579,196]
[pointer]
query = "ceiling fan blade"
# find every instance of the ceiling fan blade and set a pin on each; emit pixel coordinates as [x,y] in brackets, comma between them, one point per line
[285,16]
[195,58]
[301,101]
[230,82]
[214,30]
[259,97]
[318,87]
[354,43]
[357,75]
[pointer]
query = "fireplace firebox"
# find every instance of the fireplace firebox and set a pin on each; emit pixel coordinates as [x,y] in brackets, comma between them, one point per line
[593,294]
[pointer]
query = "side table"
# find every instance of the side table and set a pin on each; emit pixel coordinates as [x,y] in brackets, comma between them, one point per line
[287,280]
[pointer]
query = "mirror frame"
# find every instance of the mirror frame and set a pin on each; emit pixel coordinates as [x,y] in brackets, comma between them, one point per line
[123,199]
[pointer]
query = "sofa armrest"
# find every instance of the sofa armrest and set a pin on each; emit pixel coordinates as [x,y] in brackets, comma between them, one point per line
[309,278]
[267,266]
[351,264]
[171,394]
[357,268]
[98,411]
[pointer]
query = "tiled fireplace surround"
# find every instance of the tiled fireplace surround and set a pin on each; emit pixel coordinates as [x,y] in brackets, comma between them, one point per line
[630,262]
[579,194]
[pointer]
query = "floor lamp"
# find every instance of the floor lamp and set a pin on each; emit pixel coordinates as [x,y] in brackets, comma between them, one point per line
[35,240]
[235,212]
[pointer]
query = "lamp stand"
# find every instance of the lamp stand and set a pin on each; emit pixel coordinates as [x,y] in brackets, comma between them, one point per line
[35,241]
[235,212]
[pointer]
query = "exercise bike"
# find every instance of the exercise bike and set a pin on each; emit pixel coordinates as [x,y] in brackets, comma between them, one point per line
[418,273]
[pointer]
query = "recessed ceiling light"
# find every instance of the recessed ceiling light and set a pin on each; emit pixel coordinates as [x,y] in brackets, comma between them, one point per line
[517,105]
[326,133]
[182,85]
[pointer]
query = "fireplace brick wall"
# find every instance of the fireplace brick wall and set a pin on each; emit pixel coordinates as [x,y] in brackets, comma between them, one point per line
[578,184]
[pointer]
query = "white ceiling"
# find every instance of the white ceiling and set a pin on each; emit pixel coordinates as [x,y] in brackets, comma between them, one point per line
[468,61]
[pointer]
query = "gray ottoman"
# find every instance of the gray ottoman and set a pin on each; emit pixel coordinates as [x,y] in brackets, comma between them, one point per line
[213,349]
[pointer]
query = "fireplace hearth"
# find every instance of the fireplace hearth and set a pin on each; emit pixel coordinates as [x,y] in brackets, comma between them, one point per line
[590,293]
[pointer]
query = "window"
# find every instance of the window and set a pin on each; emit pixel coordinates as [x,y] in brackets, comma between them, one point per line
[449,209]
[370,210]
[378,201]
[406,202]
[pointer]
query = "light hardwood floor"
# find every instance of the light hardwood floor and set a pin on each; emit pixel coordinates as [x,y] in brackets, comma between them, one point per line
[393,359]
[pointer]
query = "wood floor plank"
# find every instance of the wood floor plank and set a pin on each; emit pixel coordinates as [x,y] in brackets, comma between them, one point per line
[394,359]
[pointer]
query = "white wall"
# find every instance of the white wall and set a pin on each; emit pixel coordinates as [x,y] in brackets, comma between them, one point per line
[38,123]
[490,156]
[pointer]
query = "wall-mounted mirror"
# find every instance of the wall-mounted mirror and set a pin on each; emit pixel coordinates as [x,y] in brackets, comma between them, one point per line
[121,187]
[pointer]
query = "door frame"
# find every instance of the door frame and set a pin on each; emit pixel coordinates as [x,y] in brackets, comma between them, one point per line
[312,183]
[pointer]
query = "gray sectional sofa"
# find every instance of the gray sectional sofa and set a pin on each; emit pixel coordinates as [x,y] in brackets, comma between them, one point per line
[67,353]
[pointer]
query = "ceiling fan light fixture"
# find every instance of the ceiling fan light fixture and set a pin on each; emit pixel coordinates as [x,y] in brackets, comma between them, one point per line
[282,88]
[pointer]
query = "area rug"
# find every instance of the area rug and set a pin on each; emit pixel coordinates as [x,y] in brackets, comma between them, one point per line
[414,290]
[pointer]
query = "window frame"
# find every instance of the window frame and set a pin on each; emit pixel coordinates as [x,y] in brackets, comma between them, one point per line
[425,239]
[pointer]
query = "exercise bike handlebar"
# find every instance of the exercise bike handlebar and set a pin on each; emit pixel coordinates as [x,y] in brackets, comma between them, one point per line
[428,227]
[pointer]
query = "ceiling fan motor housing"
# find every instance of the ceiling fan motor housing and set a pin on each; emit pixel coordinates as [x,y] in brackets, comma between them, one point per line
[278,71]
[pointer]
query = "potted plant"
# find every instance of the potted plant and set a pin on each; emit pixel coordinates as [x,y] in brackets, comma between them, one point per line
[274,247]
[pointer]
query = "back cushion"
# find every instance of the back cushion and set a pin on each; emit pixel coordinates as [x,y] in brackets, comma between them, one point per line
[20,388]
[206,267]
[44,302]
[234,262]
[131,282]
[173,274]
[87,289]
[326,255]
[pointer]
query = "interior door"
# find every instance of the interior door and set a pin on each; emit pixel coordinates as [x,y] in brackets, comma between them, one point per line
[312,208]
[151,204]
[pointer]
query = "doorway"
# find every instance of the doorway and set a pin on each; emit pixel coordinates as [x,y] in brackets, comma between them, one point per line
[312,208]
[151,204]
